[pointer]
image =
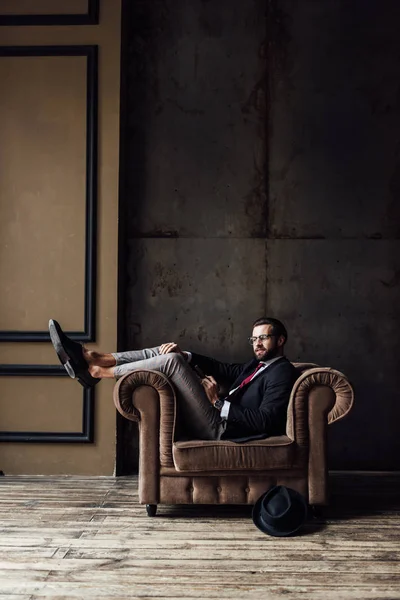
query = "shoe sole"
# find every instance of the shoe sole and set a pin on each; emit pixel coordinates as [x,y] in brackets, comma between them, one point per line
[86,381]
[59,348]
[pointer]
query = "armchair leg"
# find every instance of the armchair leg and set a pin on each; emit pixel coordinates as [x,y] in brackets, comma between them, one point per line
[151,510]
[316,512]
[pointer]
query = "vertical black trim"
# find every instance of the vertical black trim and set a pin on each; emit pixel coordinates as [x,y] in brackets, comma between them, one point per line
[91,194]
[91,17]
[93,12]
[91,52]
[84,436]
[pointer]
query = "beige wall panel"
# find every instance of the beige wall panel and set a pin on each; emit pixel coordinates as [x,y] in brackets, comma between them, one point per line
[40,404]
[97,458]
[47,7]
[42,190]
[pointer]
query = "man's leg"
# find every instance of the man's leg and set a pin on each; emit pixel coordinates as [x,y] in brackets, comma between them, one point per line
[200,418]
[118,358]
[131,356]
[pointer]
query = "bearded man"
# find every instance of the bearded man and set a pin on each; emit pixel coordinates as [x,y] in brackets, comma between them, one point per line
[253,405]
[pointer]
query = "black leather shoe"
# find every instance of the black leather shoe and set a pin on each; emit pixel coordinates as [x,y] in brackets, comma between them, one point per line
[70,355]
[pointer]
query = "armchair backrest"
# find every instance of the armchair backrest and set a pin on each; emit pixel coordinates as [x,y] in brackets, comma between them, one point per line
[301,367]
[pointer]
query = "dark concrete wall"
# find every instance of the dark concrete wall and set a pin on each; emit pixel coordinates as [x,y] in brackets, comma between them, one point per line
[263,176]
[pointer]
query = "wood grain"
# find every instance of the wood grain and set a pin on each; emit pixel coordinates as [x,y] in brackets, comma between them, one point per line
[76,537]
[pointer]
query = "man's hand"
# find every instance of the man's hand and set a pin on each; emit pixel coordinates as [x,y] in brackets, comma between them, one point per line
[211,388]
[171,347]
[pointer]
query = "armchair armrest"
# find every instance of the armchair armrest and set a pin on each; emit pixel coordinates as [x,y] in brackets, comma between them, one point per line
[320,396]
[147,397]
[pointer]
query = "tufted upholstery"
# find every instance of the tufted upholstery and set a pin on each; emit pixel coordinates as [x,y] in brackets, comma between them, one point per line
[223,472]
[224,489]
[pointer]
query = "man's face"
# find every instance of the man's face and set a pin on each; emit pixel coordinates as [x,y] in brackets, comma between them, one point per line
[269,348]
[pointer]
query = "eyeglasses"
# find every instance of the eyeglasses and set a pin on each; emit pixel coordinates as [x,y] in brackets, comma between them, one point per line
[262,338]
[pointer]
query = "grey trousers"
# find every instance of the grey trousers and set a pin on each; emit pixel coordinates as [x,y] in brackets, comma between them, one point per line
[200,419]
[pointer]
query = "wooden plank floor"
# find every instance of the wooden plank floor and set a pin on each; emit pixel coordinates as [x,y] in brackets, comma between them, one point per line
[74,537]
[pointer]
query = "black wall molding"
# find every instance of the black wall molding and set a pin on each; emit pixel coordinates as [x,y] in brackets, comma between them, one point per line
[91,17]
[91,52]
[86,435]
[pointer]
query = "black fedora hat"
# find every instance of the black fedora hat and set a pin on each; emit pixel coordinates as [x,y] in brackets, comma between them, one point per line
[280,512]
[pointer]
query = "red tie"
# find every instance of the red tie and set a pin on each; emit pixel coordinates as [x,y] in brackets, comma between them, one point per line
[250,377]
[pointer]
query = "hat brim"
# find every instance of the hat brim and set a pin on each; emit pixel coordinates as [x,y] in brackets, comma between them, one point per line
[256,515]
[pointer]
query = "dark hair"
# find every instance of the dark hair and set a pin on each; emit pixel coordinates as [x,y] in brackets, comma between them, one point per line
[278,327]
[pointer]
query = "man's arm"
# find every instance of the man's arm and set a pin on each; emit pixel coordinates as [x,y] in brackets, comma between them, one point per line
[224,373]
[270,417]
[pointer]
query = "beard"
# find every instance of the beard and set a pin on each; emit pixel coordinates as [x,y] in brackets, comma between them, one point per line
[263,354]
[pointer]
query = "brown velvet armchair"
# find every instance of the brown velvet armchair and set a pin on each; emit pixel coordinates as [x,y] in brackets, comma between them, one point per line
[224,472]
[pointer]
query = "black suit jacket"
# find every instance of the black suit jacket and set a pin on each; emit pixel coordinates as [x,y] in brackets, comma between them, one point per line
[259,409]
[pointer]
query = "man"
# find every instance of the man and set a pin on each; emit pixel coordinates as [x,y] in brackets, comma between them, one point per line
[255,405]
